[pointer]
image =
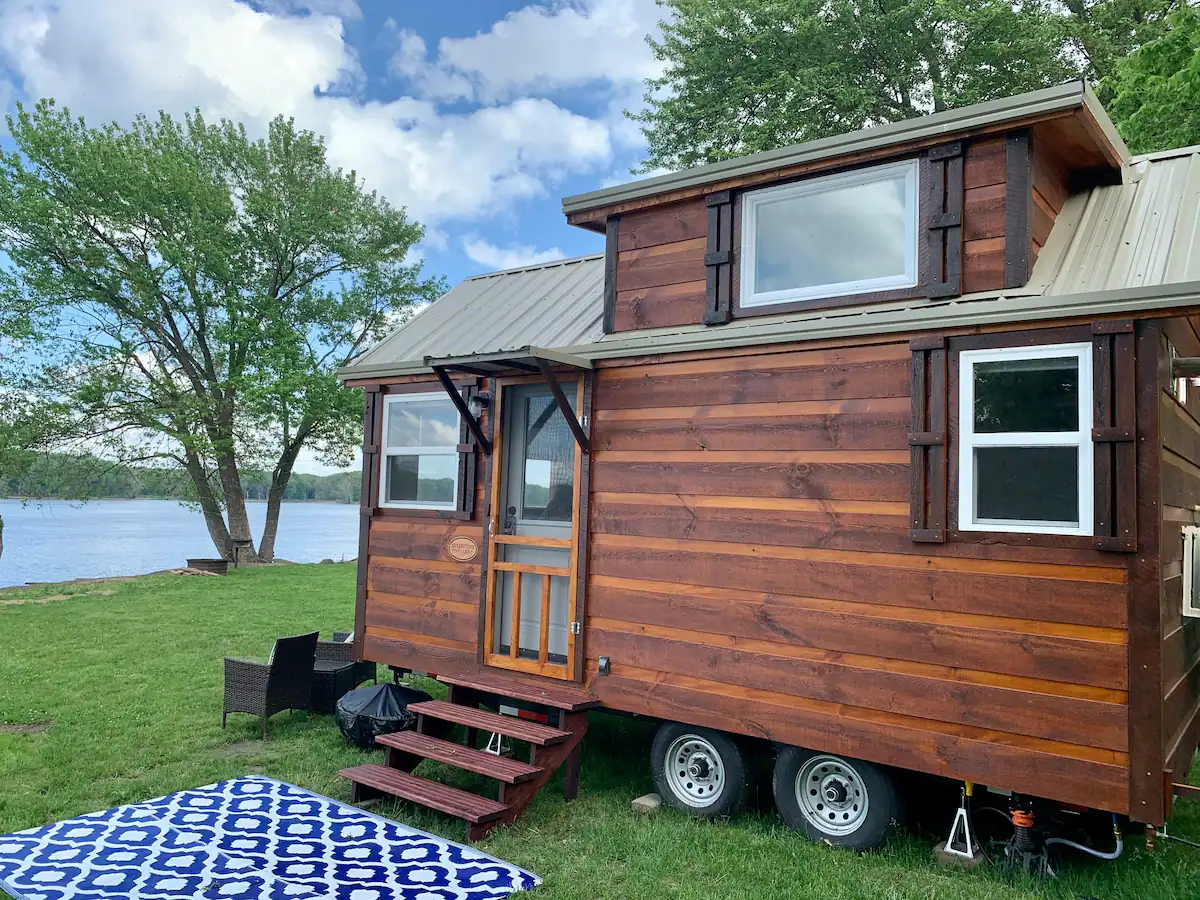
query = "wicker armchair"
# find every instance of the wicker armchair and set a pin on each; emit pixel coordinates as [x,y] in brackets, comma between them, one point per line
[341,649]
[263,689]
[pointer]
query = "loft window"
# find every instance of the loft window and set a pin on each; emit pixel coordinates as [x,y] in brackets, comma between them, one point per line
[1025,453]
[852,233]
[420,452]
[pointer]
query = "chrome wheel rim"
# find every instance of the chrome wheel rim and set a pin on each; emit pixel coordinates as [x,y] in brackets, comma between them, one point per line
[831,795]
[695,771]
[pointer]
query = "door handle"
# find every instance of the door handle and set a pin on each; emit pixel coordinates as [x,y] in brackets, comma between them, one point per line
[510,520]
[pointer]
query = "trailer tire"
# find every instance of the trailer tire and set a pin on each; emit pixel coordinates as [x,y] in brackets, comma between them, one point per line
[699,771]
[845,802]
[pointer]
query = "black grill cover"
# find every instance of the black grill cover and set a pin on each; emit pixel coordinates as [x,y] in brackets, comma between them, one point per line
[380,709]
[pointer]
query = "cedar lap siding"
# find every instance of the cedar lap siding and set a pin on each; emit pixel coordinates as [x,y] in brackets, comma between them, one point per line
[770,540]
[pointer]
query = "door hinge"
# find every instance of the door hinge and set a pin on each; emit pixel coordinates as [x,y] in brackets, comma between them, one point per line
[575,628]
[583,421]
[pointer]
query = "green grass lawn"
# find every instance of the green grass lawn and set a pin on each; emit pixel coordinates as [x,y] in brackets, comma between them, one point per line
[127,676]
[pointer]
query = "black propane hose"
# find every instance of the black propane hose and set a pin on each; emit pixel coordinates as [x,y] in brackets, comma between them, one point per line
[1099,854]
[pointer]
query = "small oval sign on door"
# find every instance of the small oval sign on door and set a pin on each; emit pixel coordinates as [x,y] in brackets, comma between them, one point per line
[464,549]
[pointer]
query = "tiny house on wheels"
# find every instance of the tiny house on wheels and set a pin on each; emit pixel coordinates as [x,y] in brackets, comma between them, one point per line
[868,452]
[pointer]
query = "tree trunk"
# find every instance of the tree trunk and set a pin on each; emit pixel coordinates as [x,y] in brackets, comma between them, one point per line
[235,505]
[208,503]
[279,482]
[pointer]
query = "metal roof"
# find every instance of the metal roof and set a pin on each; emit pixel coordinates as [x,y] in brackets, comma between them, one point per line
[557,304]
[1044,102]
[1114,250]
[1144,231]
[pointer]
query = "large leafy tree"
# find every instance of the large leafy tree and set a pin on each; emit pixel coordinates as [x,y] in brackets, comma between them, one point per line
[197,289]
[1154,93]
[747,75]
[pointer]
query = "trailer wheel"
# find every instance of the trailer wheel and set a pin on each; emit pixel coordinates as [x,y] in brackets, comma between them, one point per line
[845,802]
[699,771]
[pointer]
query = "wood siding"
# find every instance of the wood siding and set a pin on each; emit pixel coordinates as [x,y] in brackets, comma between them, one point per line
[984,212]
[660,271]
[1049,194]
[750,569]
[1180,498]
[660,267]
[422,605]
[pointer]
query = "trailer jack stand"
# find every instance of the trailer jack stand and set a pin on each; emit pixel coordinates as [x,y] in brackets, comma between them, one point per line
[960,848]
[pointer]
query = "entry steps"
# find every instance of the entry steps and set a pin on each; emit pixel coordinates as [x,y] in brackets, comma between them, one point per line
[550,746]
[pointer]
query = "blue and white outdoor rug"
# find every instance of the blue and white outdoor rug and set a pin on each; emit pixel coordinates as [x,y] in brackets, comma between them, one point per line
[248,839]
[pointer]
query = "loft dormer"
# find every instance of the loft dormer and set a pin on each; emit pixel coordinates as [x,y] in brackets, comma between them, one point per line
[958,202]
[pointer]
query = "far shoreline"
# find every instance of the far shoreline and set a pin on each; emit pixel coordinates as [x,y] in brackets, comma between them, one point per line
[160,500]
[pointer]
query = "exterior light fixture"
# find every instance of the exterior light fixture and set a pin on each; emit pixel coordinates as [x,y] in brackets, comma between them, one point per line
[478,403]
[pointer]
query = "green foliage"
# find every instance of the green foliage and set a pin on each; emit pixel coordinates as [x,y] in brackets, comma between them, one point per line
[748,75]
[1154,93]
[186,293]
[55,475]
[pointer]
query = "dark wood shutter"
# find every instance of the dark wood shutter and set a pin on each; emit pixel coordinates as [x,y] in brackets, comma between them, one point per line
[372,413]
[718,259]
[944,200]
[468,452]
[612,232]
[1114,434]
[928,506]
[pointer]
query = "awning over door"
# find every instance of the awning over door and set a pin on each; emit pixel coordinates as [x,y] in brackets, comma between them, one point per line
[534,360]
[524,359]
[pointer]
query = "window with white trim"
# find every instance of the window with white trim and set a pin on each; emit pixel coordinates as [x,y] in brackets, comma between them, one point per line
[419,453]
[850,233]
[1191,571]
[1025,440]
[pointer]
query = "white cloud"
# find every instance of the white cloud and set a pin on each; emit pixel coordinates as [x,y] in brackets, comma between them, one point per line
[487,254]
[541,49]
[114,59]
[343,9]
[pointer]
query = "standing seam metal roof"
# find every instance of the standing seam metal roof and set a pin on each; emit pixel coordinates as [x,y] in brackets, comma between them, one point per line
[557,304]
[1116,249]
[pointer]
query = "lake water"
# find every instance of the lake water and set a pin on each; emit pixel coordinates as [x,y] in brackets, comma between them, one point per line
[57,540]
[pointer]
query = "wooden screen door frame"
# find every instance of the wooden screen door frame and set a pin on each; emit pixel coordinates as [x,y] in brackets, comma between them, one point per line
[495,539]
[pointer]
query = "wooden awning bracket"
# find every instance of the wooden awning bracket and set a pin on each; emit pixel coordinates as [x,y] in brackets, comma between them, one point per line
[564,405]
[461,406]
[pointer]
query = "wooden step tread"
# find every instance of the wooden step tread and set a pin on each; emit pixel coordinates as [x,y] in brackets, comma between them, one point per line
[510,771]
[509,726]
[559,695]
[452,801]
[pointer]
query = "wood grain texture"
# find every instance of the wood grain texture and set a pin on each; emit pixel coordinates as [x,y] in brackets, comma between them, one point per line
[889,740]
[665,224]
[660,265]
[849,480]
[983,213]
[838,381]
[659,307]
[983,265]
[860,681]
[985,163]
[457,582]
[1180,634]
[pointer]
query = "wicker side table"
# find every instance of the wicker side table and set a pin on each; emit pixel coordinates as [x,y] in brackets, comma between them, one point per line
[332,679]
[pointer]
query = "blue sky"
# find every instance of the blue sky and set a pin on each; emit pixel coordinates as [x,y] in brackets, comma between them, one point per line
[478,115]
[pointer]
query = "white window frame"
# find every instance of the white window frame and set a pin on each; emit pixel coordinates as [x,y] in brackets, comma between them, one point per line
[385,452]
[912,203]
[1191,538]
[969,440]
